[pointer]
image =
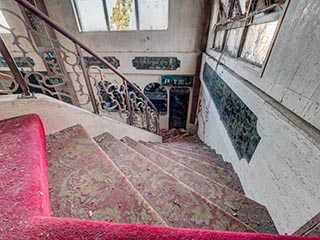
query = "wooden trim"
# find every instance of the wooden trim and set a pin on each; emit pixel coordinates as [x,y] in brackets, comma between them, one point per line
[206,19]
[275,36]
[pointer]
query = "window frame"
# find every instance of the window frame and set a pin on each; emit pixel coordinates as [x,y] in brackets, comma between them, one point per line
[105,9]
[250,18]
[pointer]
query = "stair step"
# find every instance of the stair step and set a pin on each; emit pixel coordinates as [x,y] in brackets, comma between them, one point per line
[220,175]
[85,184]
[197,148]
[310,228]
[181,139]
[217,160]
[176,203]
[246,210]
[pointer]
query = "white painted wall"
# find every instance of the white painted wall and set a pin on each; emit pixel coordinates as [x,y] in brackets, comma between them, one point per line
[284,171]
[292,73]
[57,115]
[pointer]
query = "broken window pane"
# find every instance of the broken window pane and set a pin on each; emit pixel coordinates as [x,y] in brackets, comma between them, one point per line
[219,40]
[223,10]
[258,40]
[233,41]
[91,15]
[153,14]
[261,4]
[122,15]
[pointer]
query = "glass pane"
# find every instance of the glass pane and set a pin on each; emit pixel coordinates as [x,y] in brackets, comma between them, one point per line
[244,5]
[158,96]
[233,41]
[257,42]
[122,15]
[4,23]
[219,40]
[153,14]
[224,6]
[91,15]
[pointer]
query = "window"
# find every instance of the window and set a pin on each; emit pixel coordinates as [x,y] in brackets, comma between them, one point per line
[121,15]
[245,28]
[257,42]
[3,24]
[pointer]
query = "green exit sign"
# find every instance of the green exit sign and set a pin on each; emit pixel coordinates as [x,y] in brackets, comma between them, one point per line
[177,81]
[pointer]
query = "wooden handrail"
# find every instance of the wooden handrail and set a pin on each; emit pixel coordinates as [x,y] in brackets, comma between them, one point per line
[76,41]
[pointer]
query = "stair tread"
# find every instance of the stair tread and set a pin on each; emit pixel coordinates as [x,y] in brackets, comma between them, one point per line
[252,213]
[85,184]
[216,160]
[221,175]
[195,147]
[176,203]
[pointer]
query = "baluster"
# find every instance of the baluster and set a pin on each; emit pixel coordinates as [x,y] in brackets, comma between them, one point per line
[87,79]
[130,120]
[147,115]
[14,68]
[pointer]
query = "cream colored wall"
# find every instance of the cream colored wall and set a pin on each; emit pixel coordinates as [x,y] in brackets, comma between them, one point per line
[284,171]
[180,40]
[57,115]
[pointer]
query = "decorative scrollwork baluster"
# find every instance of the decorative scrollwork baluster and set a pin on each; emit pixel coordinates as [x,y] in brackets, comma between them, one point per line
[10,85]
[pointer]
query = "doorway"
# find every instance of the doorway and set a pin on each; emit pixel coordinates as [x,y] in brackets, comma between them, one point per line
[179,104]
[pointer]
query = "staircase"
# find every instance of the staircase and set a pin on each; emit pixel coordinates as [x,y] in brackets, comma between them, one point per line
[106,188]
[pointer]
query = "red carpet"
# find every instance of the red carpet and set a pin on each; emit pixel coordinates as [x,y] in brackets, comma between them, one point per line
[24,198]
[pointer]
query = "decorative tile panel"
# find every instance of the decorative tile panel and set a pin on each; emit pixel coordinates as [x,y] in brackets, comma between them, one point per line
[92,61]
[156,63]
[239,121]
[20,61]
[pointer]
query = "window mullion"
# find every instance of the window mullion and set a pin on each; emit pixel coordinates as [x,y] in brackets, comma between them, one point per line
[106,13]
[245,30]
[137,14]
[77,15]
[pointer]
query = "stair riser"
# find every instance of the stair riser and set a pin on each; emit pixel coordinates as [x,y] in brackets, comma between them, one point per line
[85,183]
[217,160]
[178,205]
[217,174]
[246,210]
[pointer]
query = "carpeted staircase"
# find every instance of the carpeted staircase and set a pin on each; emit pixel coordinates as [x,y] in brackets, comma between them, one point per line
[145,183]
[181,184]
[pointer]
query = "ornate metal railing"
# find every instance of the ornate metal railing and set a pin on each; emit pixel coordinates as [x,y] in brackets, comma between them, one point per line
[52,61]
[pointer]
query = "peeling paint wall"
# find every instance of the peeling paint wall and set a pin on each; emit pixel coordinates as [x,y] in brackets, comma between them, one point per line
[283,173]
[292,75]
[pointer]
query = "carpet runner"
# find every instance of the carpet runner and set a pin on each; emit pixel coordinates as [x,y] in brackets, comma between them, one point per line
[250,212]
[210,159]
[177,204]
[223,176]
[85,183]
